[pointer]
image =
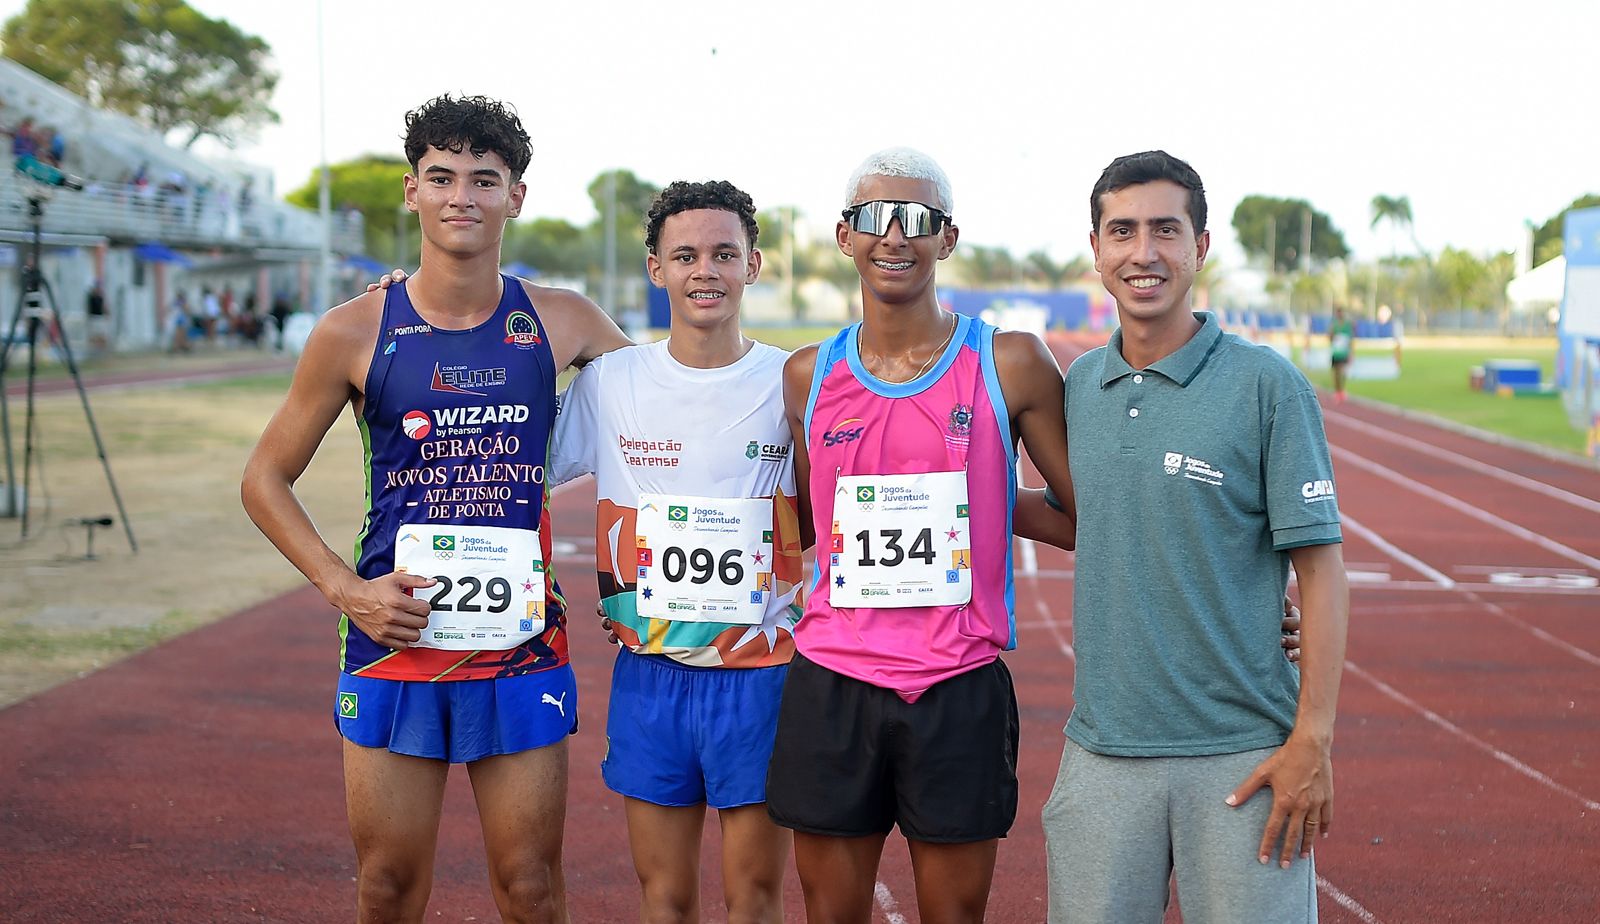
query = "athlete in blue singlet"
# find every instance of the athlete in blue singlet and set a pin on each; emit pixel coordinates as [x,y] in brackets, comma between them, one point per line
[452,627]
[455,453]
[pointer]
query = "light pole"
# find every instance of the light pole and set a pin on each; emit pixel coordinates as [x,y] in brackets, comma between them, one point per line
[608,283]
[324,193]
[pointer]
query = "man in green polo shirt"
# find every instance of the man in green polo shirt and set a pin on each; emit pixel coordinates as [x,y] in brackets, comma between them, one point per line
[1201,472]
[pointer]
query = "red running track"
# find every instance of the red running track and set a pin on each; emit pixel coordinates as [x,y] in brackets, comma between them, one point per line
[190,784]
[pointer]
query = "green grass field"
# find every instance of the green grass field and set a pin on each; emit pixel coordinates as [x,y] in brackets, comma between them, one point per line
[1435,379]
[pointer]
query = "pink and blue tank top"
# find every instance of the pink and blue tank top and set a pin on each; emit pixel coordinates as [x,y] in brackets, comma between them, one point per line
[951,418]
[456,430]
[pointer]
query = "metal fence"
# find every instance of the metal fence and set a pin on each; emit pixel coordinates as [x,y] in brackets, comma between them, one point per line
[177,218]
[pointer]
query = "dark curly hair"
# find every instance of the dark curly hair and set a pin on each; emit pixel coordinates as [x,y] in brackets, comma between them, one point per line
[1148,167]
[475,123]
[682,196]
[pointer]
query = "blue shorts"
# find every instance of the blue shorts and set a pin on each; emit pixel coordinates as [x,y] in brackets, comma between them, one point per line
[458,720]
[681,735]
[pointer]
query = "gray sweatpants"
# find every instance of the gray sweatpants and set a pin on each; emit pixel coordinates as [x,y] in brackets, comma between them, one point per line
[1118,829]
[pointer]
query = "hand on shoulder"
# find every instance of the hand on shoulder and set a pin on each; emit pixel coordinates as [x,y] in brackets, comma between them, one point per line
[393,276]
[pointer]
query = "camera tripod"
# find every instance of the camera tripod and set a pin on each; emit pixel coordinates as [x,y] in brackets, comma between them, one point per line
[37,306]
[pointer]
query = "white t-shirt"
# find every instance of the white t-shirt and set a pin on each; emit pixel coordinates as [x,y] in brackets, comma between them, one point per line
[642,422]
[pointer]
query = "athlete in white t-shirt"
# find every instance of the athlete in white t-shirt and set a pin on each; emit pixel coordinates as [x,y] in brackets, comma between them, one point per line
[697,552]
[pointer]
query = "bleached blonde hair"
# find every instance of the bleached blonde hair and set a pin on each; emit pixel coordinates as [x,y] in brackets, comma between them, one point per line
[903,162]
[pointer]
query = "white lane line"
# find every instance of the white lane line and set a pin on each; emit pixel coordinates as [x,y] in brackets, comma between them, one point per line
[1348,903]
[1051,574]
[1543,636]
[1054,627]
[1030,554]
[1416,564]
[1476,465]
[1477,513]
[1514,590]
[1476,742]
[1516,569]
[1430,609]
[886,902]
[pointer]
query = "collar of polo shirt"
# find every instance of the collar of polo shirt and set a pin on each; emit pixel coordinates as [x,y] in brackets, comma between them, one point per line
[1181,366]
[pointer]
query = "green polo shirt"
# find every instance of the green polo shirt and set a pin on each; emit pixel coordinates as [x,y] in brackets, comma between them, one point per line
[1193,479]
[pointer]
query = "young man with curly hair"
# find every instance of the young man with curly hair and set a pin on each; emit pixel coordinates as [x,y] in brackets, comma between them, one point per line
[698,557]
[453,628]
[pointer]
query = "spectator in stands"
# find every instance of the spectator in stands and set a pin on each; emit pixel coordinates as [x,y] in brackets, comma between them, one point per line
[94,310]
[249,322]
[22,140]
[55,146]
[211,314]
[178,321]
[280,314]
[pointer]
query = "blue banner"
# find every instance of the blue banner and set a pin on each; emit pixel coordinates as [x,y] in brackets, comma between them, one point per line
[1068,308]
[1582,237]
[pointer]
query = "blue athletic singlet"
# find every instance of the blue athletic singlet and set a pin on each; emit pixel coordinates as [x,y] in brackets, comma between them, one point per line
[456,431]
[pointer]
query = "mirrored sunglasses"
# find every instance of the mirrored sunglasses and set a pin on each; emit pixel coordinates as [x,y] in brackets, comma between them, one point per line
[916,219]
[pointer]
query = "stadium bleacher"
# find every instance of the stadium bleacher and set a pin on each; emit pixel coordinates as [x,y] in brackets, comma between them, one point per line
[223,224]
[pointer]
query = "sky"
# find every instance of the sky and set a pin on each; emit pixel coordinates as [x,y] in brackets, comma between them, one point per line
[1483,114]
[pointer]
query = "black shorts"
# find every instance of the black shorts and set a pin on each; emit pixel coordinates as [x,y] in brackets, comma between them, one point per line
[853,759]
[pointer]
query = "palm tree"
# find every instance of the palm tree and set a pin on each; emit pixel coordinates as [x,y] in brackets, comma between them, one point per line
[1396,210]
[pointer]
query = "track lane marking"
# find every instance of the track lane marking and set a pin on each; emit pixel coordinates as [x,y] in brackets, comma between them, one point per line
[1495,609]
[886,903]
[1345,901]
[1474,465]
[1057,574]
[1416,564]
[1461,506]
[1469,738]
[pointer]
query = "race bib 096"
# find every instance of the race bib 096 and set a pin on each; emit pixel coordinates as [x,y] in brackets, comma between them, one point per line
[703,559]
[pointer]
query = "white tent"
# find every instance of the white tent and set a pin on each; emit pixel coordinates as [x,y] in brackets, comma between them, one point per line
[1540,288]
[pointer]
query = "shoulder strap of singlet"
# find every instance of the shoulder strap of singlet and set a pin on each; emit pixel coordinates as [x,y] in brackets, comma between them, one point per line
[383,351]
[516,298]
[991,381]
[829,352]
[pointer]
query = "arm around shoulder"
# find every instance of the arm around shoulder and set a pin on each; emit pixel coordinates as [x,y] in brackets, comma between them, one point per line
[1035,398]
[798,371]
[575,438]
[579,331]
